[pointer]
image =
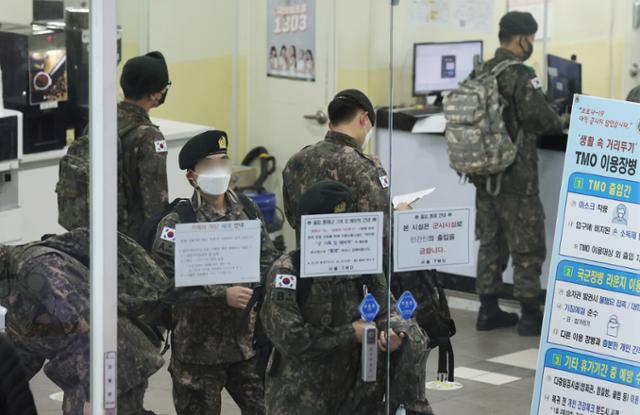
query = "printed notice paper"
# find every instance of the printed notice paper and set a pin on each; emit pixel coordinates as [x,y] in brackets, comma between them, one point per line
[341,244]
[217,253]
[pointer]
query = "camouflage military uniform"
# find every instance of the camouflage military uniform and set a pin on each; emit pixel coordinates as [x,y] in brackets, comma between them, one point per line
[512,223]
[144,166]
[47,293]
[339,158]
[211,348]
[318,354]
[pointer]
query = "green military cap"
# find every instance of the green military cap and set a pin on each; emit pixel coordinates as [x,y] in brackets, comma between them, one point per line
[145,74]
[326,197]
[360,100]
[206,144]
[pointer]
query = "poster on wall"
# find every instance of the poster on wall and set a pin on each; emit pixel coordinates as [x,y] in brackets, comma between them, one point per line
[589,358]
[466,15]
[291,39]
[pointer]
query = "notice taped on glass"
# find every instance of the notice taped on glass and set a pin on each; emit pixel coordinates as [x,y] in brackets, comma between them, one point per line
[432,238]
[217,253]
[341,244]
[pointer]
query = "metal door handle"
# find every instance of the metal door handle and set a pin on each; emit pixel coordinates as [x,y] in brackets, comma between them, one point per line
[320,117]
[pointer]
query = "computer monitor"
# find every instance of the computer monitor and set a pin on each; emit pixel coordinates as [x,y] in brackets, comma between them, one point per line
[439,67]
[564,80]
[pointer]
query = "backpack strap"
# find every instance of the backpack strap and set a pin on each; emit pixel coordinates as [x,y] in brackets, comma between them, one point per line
[248,206]
[500,67]
[184,209]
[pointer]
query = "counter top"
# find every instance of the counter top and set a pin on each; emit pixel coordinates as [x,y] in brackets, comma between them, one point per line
[406,122]
[172,131]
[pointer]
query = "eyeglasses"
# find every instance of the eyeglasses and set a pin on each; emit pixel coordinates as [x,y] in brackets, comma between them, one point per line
[168,85]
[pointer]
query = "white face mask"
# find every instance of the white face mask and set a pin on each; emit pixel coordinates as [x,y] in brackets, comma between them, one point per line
[214,181]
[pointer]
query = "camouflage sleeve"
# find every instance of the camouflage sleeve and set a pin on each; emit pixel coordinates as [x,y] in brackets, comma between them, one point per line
[286,327]
[290,205]
[152,165]
[268,253]
[163,252]
[535,114]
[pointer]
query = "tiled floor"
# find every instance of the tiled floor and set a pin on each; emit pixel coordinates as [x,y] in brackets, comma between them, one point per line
[504,387]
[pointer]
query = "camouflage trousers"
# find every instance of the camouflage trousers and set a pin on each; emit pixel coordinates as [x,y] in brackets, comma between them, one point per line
[197,388]
[69,370]
[510,225]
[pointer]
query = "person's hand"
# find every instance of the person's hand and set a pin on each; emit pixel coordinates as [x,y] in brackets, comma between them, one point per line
[395,341]
[403,206]
[87,409]
[238,297]
[358,327]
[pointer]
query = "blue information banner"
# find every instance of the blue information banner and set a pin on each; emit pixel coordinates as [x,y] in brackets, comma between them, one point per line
[589,359]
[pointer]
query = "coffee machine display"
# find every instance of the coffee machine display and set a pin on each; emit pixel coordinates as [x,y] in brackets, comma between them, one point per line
[48,72]
[34,63]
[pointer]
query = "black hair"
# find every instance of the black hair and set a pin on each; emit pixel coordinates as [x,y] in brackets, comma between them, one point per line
[273,49]
[342,111]
[505,37]
[134,96]
[310,54]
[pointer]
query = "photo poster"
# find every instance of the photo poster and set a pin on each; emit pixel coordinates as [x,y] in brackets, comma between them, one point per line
[589,360]
[291,39]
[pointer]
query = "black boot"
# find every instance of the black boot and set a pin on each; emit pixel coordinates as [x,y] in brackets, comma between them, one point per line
[531,321]
[491,317]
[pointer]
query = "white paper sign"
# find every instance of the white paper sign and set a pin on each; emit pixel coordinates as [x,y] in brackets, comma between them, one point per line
[433,238]
[341,244]
[411,197]
[217,253]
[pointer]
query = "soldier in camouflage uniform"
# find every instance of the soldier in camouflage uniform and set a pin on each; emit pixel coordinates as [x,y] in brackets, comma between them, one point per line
[212,340]
[143,149]
[512,223]
[316,330]
[45,286]
[340,157]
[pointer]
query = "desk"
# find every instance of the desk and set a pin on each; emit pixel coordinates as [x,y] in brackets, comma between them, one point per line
[421,161]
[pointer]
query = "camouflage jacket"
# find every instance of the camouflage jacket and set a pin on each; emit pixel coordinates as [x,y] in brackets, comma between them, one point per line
[527,109]
[144,166]
[340,158]
[207,331]
[45,286]
[319,356]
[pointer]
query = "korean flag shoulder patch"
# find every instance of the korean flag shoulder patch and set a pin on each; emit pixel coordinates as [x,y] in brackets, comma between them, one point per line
[384,181]
[536,82]
[286,281]
[161,146]
[168,234]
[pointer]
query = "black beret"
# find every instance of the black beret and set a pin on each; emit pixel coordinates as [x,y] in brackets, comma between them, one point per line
[203,145]
[360,100]
[518,23]
[326,197]
[146,74]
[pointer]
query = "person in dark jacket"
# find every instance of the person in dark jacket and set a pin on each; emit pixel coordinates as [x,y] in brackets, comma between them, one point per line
[15,395]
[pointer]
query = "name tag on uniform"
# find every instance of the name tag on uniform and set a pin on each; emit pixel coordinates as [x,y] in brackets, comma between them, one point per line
[286,281]
[161,146]
[384,181]
[168,234]
[536,82]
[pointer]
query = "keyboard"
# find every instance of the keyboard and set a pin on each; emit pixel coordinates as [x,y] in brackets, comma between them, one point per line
[421,112]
